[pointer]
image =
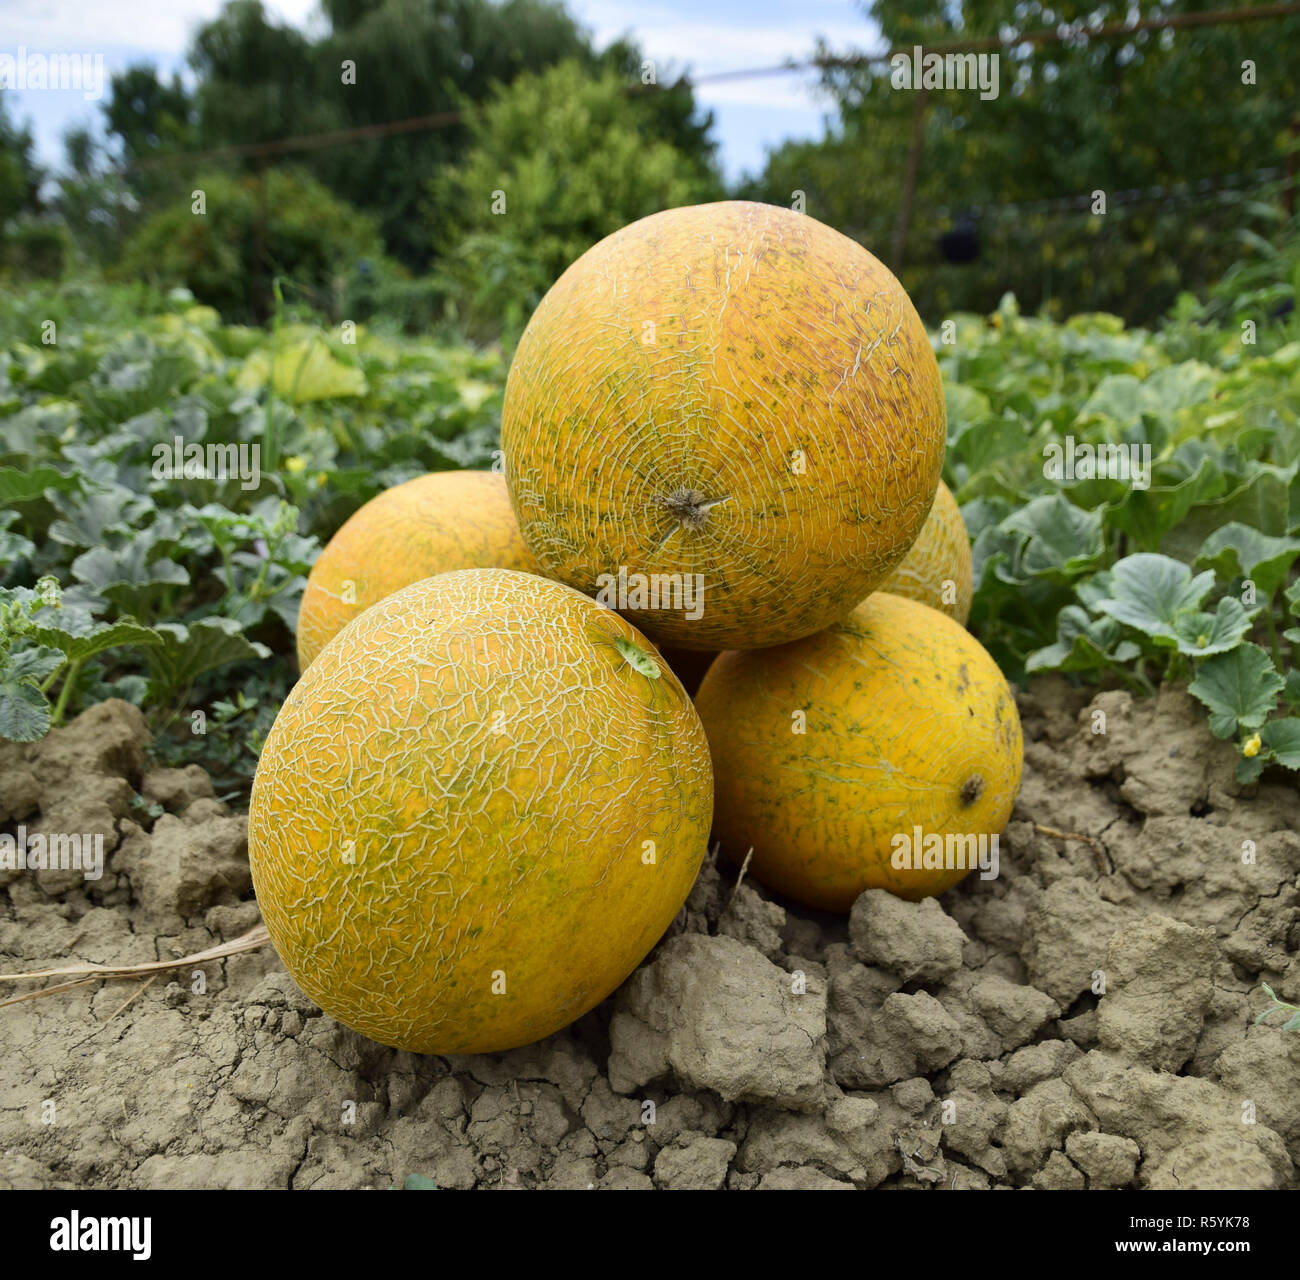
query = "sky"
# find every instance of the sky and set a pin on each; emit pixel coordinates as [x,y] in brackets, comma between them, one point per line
[701,35]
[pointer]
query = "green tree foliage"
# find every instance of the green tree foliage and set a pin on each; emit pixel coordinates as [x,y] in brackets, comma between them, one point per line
[382,60]
[20,177]
[556,162]
[94,199]
[254,229]
[1168,109]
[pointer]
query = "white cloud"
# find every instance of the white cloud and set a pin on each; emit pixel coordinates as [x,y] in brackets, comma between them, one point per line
[156,27]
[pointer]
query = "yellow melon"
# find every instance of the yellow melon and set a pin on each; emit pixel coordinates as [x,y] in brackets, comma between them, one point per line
[429,525]
[937,570]
[477,811]
[839,759]
[732,396]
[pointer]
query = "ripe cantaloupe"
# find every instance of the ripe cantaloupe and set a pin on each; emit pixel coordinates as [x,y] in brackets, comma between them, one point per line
[430,525]
[729,390]
[908,724]
[937,570]
[476,812]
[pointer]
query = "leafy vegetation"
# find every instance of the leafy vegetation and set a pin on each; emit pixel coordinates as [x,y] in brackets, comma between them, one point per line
[1134,501]
[166,481]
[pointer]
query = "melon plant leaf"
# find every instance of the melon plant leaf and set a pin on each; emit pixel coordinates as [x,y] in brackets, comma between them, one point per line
[1083,644]
[983,442]
[1147,515]
[1291,691]
[24,710]
[1239,688]
[1179,386]
[36,663]
[965,406]
[302,372]
[29,484]
[1282,739]
[1149,592]
[1057,538]
[13,546]
[1200,634]
[1292,597]
[87,519]
[127,576]
[79,641]
[1238,551]
[1119,397]
[185,653]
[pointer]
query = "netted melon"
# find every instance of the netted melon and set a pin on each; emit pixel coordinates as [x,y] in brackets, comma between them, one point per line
[477,811]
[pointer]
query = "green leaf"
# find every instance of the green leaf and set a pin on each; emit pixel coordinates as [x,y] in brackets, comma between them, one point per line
[1147,515]
[1282,739]
[35,664]
[982,443]
[1239,688]
[88,518]
[1083,644]
[1119,397]
[24,711]
[1291,693]
[1151,592]
[28,485]
[128,576]
[185,653]
[1058,538]
[302,372]
[81,642]
[1238,551]
[1200,634]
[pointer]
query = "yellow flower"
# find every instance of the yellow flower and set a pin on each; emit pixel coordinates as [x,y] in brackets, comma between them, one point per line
[1251,746]
[295,464]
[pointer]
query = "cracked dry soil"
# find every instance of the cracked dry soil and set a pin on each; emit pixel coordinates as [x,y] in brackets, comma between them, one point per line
[954,1043]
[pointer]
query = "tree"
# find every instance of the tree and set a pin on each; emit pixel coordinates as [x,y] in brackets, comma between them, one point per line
[556,161]
[1151,110]
[251,230]
[20,176]
[93,199]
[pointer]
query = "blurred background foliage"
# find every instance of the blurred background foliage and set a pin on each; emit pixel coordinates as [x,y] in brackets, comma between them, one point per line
[403,226]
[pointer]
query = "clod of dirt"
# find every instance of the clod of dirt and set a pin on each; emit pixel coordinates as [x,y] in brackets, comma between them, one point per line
[717,1015]
[1058,1174]
[1192,1133]
[1264,1067]
[1107,1160]
[915,941]
[1159,977]
[694,1163]
[187,864]
[1066,937]
[753,919]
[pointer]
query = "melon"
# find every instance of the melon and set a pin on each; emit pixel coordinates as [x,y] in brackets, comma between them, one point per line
[840,759]
[728,397]
[429,525]
[476,812]
[937,569]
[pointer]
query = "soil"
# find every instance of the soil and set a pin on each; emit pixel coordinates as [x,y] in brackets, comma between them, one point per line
[1083,1020]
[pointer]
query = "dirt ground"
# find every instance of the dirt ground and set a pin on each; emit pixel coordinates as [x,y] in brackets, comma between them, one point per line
[957,1043]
